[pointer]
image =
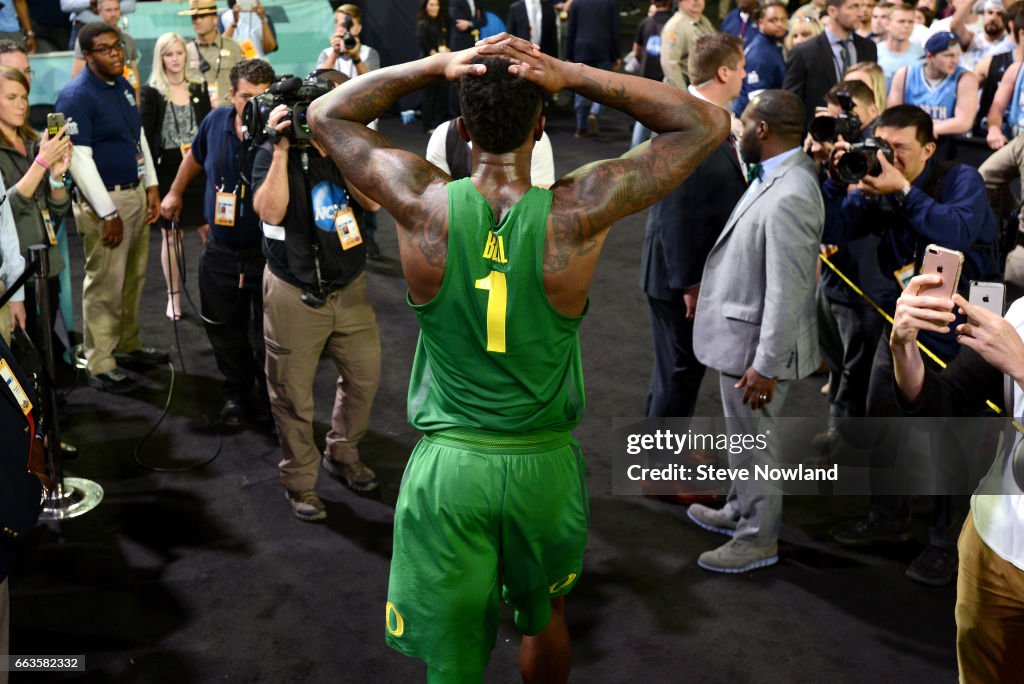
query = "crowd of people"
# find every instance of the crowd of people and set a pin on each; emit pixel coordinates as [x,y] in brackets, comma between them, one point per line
[733,181]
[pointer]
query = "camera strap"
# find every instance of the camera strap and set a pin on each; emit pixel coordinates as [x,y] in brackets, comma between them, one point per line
[314,242]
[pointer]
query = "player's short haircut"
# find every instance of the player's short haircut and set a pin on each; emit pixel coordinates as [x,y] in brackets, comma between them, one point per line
[500,110]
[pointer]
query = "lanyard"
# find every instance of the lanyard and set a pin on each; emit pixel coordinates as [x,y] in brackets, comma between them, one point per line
[174,115]
[220,54]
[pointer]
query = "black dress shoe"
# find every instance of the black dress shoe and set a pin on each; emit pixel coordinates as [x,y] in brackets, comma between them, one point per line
[113,381]
[232,413]
[143,356]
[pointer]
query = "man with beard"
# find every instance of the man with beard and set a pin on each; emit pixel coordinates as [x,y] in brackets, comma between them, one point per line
[818,64]
[993,40]
[766,67]
[755,322]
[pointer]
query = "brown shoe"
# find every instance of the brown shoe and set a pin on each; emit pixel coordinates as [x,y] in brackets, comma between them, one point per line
[356,476]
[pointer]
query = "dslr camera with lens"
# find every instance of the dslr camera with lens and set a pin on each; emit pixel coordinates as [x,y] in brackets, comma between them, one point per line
[828,129]
[861,159]
[296,94]
[347,39]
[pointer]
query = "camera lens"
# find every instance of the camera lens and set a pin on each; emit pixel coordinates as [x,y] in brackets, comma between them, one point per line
[853,166]
[823,128]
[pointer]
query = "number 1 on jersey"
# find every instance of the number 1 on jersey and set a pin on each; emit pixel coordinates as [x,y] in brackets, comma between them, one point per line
[497,302]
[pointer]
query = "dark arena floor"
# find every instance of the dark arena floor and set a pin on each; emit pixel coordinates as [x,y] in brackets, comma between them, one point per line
[205,575]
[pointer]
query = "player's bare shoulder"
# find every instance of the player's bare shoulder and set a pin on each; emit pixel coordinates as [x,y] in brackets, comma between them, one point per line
[570,231]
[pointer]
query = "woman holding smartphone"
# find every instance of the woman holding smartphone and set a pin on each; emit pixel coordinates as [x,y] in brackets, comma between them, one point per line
[33,171]
[172,108]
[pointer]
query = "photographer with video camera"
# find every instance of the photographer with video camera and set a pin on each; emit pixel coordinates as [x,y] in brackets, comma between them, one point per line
[314,295]
[891,187]
[231,266]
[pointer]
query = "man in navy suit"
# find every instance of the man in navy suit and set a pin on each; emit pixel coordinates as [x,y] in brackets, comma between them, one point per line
[593,39]
[682,228]
[817,65]
[521,18]
[22,473]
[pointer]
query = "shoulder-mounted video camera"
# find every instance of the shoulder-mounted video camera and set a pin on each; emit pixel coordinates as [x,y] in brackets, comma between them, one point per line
[296,94]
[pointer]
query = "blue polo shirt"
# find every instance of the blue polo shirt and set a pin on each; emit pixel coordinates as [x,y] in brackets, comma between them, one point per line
[217,148]
[105,117]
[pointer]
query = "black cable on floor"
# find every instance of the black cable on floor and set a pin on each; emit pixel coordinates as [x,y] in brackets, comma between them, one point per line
[160,419]
[178,254]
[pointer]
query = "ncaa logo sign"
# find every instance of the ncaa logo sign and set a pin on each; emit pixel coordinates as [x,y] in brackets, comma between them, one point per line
[325,204]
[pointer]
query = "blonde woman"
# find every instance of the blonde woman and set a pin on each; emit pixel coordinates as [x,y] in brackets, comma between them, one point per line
[172,108]
[802,28]
[871,75]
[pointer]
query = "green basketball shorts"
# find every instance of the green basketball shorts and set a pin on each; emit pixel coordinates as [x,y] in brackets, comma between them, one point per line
[478,512]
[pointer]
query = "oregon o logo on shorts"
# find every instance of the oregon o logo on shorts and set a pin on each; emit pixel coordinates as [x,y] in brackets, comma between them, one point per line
[399,627]
[558,586]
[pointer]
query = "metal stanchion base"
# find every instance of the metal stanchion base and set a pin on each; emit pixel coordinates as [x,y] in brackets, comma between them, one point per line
[78,357]
[75,498]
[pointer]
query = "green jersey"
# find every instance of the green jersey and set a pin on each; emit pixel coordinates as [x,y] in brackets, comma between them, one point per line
[493,354]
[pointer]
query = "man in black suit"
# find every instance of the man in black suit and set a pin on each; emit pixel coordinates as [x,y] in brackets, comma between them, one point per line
[467,20]
[593,39]
[521,18]
[22,473]
[817,65]
[681,230]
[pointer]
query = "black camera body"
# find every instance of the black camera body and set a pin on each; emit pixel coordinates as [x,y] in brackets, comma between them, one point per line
[296,94]
[828,128]
[347,39]
[860,160]
[312,299]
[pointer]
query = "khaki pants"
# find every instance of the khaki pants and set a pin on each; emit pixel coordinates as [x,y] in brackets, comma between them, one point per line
[989,613]
[5,318]
[296,335]
[114,277]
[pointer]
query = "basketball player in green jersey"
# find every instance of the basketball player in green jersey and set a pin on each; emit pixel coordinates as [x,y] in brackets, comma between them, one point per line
[493,501]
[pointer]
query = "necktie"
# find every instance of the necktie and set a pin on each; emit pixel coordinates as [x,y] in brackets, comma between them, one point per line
[754,173]
[844,55]
[743,27]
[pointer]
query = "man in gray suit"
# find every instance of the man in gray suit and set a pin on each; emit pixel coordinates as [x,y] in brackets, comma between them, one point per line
[756,320]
